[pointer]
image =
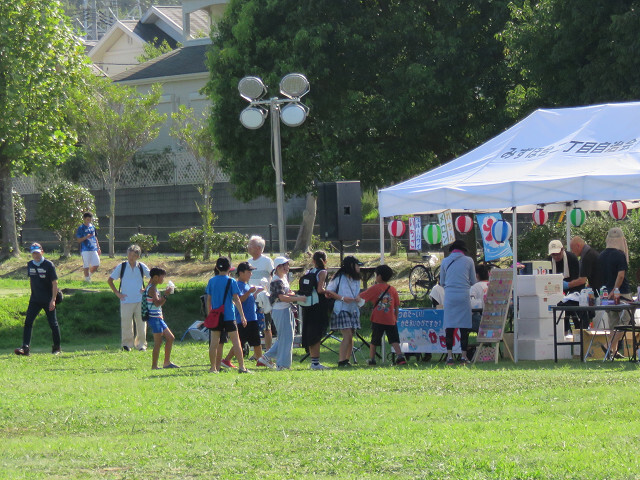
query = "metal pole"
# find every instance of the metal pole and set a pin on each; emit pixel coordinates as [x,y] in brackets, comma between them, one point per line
[516,321]
[277,155]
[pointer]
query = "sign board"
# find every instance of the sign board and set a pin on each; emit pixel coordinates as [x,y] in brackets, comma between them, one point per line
[446,225]
[415,233]
[422,331]
[496,306]
[492,249]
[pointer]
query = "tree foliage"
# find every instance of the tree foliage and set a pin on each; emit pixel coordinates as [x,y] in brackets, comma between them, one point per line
[41,64]
[114,122]
[396,87]
[154,49]
[573,53]
[191,130]
[60,210]
[20,212]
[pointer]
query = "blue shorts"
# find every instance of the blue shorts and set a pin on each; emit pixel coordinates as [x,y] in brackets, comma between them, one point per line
[157,324]
[261,323]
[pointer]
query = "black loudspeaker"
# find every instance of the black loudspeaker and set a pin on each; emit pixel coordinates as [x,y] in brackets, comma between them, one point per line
[340,210]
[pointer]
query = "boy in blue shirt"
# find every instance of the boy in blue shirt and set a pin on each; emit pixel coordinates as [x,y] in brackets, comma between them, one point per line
[250,333]
[155,300]
[89,246]
[223,290]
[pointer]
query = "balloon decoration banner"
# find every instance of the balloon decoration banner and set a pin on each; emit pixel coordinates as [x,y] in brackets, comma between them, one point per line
[446,227]
[415,233]
[492,249]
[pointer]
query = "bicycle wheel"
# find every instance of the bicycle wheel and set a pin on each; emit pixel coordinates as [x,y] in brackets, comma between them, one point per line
[420,282]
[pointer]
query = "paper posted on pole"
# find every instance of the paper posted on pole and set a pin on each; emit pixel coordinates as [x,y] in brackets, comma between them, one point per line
[415,233]
[446,226]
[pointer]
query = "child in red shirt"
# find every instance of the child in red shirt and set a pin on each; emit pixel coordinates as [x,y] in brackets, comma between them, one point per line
[384,316]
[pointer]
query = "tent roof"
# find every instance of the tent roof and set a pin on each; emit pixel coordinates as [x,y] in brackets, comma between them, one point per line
[552,157]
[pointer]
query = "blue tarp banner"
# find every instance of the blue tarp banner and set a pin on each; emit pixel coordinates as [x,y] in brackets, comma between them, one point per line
[492,249]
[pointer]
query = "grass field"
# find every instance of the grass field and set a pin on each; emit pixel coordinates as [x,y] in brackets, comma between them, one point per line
[98,412]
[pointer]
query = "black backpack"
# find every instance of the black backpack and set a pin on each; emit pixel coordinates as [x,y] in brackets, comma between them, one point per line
[308,283]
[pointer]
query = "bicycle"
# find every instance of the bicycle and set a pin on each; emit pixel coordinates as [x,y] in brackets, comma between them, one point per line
[424,276]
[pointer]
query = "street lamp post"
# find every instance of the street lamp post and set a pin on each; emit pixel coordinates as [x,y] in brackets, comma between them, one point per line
[288,110]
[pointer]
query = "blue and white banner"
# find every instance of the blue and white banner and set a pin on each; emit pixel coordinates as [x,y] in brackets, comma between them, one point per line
[492,249]
[422,331]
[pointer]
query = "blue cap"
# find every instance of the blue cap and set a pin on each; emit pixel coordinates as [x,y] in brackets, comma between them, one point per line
[35,247]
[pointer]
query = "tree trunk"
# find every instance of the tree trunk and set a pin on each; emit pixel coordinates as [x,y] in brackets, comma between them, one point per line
[303,242]
[393,251]
[112,218]
[9,235]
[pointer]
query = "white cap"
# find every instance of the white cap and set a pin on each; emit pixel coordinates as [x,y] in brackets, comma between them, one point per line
[555,246]
[280,261]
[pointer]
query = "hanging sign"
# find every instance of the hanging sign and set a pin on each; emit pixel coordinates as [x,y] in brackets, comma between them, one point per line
[446,227]
[493,250]
[415,233]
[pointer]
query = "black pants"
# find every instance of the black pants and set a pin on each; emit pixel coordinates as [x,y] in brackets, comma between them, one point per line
[464,338]
[32,312]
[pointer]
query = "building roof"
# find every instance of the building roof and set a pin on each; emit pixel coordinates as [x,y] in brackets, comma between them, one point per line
[183,61]
[148,32]
[199,20]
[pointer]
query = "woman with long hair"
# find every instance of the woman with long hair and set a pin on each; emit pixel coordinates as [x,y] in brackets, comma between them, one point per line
[344,288]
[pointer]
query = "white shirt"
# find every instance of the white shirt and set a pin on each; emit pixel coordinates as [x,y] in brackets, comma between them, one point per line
[477,293]
[131,281]
[263,268]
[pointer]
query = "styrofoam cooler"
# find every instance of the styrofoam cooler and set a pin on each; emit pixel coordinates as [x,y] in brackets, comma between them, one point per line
[538,306]
[539,328]
[544,285]
[541,349]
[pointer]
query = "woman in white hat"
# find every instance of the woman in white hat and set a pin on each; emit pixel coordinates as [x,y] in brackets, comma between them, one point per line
[281,297]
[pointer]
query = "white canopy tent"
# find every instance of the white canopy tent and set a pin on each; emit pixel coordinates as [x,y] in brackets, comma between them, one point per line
[587,156]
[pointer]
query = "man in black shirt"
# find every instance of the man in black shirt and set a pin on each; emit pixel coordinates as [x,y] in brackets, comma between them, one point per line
[589,271]
[567,264]
[44,287]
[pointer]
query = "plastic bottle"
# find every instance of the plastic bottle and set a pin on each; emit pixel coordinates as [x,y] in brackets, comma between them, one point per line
[604,295]
[591,297]
[616,296]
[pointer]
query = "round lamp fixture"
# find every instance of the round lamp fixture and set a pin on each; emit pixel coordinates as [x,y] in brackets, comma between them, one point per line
[618,210]
[397,228]
[501,231]
[464,224]
[253,117]
[432,233]
[540,217]
[251,88]
[577,216]
[294,114]
[294,85]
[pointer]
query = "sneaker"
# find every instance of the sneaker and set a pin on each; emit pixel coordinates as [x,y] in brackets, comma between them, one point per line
[371,361]
[401,360]
[87,279]
[142,349]
[318,366]
[227,364]
[23,350]
[55,350]
[240,370]
[265,362]
[126,349]
[344,364]
[465,361]
[451,361]
[252,358]
[279,369]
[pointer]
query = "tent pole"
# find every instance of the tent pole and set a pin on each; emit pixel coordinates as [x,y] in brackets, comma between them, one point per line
[515,285]
[568,223]
[381,239]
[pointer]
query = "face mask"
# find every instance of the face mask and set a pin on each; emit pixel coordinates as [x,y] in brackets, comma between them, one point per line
[37,264]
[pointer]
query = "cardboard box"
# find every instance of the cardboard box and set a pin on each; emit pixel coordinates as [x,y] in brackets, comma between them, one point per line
[600,338]
[536,307]
[539,285]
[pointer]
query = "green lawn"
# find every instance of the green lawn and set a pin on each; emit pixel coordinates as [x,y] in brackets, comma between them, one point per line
[98,412]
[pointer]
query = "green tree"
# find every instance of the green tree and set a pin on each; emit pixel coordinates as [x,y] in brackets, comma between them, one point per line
[41,64]
[191,130]
[572,53]
[154,49]
[20,212]
[115,122]
[396,87]
[60,210]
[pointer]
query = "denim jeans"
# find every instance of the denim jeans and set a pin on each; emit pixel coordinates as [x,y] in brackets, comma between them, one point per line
[282,348]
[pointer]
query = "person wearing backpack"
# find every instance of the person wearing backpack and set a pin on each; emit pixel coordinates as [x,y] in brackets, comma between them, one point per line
[384,315]
[154,301]
[131,274]
[315,316]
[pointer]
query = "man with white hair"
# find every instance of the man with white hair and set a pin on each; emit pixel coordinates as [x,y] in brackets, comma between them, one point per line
[263,267]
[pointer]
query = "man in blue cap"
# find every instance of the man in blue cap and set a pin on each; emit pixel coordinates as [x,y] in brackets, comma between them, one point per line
[44,288]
